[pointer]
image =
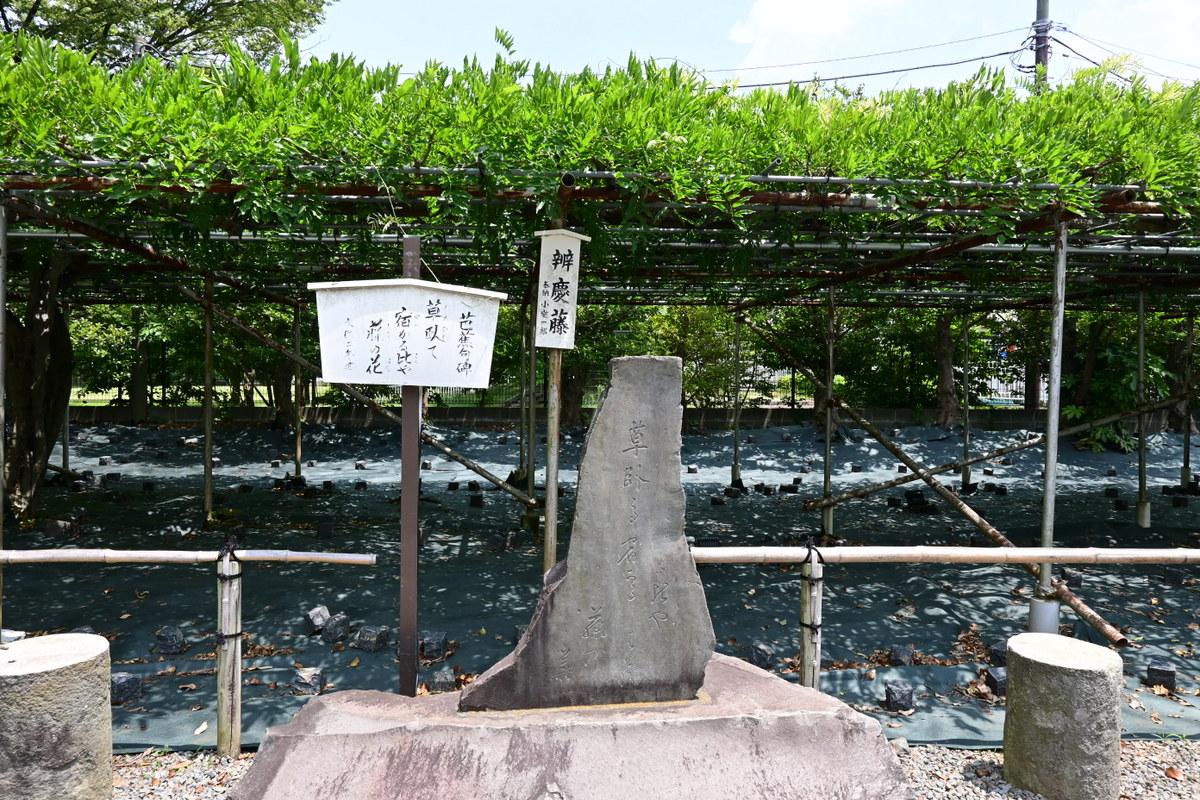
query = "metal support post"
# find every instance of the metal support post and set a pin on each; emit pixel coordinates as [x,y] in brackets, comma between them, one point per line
[812,577]
[407,646]
[1043,608]
[1143,501]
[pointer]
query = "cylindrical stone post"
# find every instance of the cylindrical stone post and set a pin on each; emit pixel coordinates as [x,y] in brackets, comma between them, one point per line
[1062,725]
[55,718]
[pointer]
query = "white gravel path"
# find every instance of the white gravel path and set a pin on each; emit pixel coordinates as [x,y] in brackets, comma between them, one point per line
[1166,769]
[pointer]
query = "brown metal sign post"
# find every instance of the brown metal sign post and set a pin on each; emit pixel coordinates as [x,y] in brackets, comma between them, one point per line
[409,333]
[407,646]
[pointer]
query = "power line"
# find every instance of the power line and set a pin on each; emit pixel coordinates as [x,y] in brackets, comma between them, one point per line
[871,55]
[1123,48]
[884,72]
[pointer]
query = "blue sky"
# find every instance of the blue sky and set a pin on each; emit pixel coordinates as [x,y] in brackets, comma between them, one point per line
[750,35]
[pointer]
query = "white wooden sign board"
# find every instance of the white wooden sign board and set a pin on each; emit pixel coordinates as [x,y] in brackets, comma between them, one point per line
[558,288]
[406,332]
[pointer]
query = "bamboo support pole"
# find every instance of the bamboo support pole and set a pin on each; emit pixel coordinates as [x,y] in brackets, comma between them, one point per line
[735,470]
[965,476]
[812,573]
[1061,590]
[864,491]
[350,391]
[1043,607]
[3,360]
[1185,471]
[297,378]
[936,554]
[827,471]
[1143,501]
[208,400]
[109,556]
[229,657]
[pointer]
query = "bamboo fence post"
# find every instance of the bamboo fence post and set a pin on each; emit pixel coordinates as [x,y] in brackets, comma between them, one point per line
[229,656]
[812,575]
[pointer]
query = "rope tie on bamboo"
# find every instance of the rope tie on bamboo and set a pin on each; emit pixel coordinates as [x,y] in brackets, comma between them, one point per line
[232,542]
[229,551]
[810,543]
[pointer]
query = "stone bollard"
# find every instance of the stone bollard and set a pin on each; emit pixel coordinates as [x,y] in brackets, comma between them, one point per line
[55,721]
[1062,726]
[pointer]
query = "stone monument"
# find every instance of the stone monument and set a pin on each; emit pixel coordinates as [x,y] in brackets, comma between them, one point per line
[623,619]
[614,688]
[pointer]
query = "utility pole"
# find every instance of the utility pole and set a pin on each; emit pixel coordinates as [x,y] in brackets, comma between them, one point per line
[1041,43]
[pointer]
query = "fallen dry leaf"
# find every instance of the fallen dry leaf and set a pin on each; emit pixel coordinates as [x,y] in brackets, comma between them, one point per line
[271,686]
[187,687]
[203,727]
[1161,691]
[1174,772]
[355,662]
[255,681]
[895,725]
[1155,719]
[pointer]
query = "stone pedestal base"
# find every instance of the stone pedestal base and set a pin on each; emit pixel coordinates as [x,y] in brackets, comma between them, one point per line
[55,718]
[1062,724]
[748,735]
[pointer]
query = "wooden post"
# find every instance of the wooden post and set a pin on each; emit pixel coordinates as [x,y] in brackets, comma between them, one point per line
[229,656]
[553,421]
[812,577]
[407,646]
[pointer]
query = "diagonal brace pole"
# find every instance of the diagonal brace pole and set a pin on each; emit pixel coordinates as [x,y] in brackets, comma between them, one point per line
[1065,594]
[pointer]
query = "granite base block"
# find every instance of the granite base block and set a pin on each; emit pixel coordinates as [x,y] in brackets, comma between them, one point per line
[748,734]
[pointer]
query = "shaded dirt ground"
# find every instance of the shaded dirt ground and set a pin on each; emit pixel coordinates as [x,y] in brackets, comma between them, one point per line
[480,572]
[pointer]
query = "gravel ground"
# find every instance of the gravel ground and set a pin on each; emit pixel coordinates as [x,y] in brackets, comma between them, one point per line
[158,775]
[1151,770]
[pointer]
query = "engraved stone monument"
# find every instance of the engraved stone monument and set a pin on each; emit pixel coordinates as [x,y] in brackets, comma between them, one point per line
[614,688]
[623,619]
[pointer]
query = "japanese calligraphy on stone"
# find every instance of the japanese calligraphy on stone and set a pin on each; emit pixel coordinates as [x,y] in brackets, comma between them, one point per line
[406,333]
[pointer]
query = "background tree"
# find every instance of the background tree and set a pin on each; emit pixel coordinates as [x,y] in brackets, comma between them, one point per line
[116,30]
